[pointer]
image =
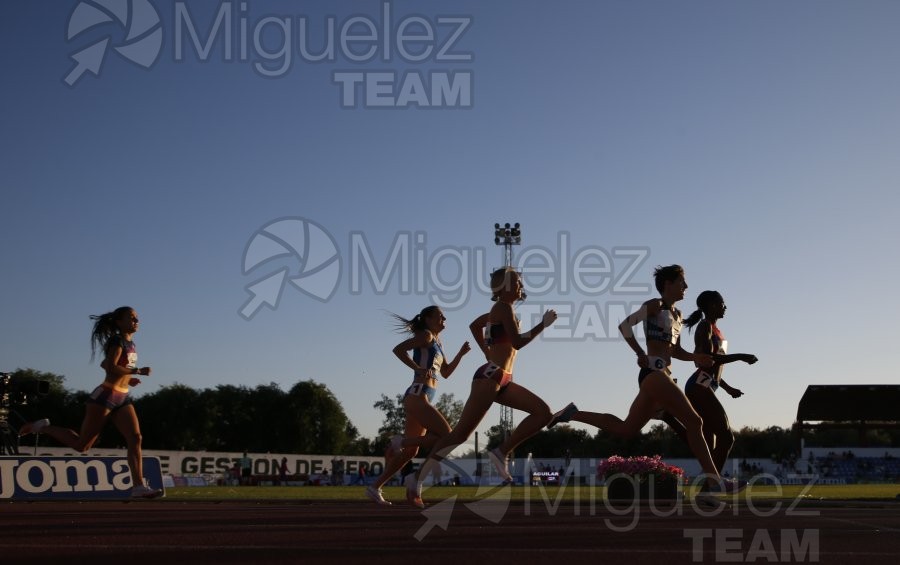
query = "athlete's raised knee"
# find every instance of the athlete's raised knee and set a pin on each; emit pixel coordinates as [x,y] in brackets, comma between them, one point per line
[693,422]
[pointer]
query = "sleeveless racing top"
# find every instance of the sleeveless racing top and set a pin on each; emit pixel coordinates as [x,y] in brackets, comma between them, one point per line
[430,357]
[664,326]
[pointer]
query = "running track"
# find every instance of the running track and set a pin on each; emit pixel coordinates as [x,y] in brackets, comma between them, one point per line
[168,532]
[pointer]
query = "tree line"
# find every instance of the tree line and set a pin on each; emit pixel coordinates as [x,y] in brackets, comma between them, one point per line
[308,418]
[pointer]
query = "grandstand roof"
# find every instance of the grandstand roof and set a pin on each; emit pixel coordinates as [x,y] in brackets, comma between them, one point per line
[850,403]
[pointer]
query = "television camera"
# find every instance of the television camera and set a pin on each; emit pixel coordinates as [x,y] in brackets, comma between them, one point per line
[15,392]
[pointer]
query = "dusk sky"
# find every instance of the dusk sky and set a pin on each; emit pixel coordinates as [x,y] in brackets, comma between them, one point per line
[754,142]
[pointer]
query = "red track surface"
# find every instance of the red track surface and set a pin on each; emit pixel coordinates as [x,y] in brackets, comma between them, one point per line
[171,532]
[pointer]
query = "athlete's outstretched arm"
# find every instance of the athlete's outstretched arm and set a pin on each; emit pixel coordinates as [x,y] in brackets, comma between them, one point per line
[448,368]
[732,357]
[700,359]
[511,327]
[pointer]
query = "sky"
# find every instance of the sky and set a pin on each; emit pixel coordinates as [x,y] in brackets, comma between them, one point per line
[265,194]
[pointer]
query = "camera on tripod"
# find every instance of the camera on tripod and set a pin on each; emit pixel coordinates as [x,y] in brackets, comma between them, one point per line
[17,392]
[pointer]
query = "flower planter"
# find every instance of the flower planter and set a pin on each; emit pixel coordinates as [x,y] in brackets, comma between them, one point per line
[640,478]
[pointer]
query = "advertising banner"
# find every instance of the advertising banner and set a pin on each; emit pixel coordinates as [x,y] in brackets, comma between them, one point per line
[71,478]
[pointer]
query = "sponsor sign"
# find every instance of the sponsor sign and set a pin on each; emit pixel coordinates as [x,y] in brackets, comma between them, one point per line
[71,478]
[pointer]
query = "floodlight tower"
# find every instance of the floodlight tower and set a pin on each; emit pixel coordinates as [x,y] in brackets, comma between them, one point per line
[507,236]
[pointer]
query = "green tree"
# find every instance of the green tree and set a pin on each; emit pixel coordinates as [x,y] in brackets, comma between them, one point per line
[557,442]
[318,423]
[174,417]
[773,442]
[307,419]
[662,440]
[355,444]
[495,436]
[232,409]
[395,415]
[55,383]
[272,416]
[364,446]
[450,408]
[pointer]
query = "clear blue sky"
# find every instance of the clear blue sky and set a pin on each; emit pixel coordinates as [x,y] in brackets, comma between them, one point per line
[753,142]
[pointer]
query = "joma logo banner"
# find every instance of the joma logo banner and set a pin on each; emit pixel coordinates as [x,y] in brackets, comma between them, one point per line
[71,478]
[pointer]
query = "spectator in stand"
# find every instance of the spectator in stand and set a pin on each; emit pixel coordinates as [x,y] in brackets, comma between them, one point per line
[246,469]
[235,474]
[282,471]
[360,475]
[338,473]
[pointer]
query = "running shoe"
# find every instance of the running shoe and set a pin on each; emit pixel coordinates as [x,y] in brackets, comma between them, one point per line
[377,496]
[707,500]
[34,427]
[413,491]
[501,463]
[143,491]
[564,415]
[732,486]
[724,486]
